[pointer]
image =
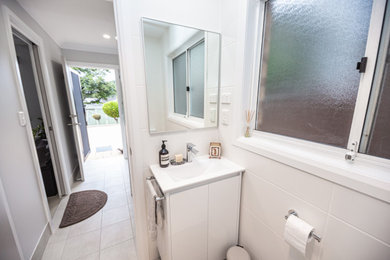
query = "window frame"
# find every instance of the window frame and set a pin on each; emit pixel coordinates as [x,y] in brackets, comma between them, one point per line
[368,174]
[203,40]
[377,82]
[185,52]
[186,120]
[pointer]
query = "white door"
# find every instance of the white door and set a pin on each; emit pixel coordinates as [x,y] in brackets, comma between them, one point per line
[73,116]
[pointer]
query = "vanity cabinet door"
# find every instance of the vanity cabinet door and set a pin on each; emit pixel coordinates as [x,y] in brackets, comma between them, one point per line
[224,203]
[189,224]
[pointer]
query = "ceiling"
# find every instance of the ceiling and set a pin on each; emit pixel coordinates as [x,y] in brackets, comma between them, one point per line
[75,24]
[154,28]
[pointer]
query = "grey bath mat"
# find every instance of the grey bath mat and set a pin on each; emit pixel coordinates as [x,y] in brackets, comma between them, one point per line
[82,205]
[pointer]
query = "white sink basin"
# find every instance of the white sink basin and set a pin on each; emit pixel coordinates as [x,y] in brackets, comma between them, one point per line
[200,171]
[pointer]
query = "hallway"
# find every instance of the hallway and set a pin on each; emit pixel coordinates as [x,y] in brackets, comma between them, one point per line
[109,234]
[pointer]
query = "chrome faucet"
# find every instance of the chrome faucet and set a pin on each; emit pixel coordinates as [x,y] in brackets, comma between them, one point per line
[190,152]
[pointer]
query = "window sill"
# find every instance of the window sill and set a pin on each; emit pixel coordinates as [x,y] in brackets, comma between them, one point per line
[189,122]
[365,175]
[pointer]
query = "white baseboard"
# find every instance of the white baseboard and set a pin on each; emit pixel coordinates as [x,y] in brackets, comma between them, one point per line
[74,174]
[41,245]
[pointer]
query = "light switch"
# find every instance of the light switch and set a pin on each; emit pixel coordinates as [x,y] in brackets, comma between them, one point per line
[213,115]
[225,116]
[226,98]
[22,118]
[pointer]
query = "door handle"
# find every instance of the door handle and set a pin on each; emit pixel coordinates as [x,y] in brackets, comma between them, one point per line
[74,124]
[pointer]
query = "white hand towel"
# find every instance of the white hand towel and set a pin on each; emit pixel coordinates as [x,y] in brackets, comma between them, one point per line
[150,204]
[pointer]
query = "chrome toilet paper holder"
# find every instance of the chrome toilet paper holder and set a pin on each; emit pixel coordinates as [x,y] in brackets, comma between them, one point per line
[312,234]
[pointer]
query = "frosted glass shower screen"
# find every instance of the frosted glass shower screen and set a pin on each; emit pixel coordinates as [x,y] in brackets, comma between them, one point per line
[197,80]
[180,84]
[308,77]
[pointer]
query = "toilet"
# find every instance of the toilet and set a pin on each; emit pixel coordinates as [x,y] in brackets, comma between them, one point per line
[237,253]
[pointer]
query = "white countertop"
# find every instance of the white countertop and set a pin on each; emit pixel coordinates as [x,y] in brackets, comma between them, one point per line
[201,170]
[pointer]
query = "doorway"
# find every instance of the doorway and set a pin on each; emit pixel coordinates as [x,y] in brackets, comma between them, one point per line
[111,230]
[29,71]
[97,102]
[100,107]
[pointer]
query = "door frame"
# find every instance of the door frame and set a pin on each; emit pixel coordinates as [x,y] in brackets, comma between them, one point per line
[120,94]
[119,90]
[43,104]
[12,21]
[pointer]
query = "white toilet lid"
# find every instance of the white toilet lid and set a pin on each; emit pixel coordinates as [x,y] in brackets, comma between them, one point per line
[237,253]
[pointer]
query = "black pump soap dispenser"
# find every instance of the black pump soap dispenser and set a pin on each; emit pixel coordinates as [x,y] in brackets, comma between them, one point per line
[164,155]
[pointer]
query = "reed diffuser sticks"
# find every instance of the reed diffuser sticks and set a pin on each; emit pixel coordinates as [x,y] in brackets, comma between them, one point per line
[248,118]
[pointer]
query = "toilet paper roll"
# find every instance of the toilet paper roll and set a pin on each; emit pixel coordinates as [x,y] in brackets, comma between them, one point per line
[297,233]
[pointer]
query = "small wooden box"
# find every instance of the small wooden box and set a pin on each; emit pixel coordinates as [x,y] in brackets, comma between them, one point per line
[215,150]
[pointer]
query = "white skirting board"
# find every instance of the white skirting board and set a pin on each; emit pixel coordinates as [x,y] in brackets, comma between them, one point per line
[41,245]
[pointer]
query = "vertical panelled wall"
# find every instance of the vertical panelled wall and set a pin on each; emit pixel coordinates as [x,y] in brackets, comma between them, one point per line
[352,225]
[19,180]
[203,14]
[17,171]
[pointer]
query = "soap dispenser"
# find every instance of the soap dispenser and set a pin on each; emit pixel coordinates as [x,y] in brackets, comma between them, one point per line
[164,155]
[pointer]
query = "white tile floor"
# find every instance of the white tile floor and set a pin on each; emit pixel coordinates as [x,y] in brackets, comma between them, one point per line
[54,201]
[109,233]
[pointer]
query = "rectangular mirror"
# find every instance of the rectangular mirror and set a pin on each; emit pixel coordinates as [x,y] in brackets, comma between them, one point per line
[182,76]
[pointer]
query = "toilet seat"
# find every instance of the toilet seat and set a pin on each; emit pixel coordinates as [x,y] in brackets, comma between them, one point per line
[237,253]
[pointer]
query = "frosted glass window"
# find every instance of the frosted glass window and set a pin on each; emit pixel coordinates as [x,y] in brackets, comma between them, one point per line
[196,54]
[180,84]
[308,77]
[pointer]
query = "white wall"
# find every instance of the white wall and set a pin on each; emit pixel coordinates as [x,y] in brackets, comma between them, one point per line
[203,14]
[353,225]
[155,72]
[90,57]
[177,36]
[212,77]
[8,243]
[16,166]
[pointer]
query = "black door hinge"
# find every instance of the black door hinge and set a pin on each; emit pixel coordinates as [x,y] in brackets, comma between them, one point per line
[361,65]
[188,88]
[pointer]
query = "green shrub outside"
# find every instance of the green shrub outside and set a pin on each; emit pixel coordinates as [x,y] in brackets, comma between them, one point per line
[111,109]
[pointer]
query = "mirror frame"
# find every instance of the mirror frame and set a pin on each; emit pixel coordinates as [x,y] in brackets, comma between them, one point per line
[143,19]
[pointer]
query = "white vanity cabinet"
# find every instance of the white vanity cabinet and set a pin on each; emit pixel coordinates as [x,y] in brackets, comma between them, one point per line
[201,222]
[201,203]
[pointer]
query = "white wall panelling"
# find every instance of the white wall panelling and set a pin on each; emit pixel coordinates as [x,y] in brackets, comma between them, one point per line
[19,180]
[270,188]
[353,225]
[201,14]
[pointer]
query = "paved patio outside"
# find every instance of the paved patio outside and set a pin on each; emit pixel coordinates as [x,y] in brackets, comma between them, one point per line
[103,136]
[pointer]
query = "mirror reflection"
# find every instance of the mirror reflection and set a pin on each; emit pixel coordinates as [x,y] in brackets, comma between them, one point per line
[182,76]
